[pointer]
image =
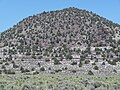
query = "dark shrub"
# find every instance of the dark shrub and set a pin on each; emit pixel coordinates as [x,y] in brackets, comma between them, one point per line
[90,73]
[96,68]
[42,69]
[59,70]
[74,63]
[56,62]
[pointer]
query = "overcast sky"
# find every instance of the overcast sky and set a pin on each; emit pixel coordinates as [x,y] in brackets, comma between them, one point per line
[13,11]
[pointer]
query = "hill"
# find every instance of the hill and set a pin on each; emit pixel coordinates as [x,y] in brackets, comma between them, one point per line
[70,41]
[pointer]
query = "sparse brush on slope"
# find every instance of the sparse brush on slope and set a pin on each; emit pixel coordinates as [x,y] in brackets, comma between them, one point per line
[62,37]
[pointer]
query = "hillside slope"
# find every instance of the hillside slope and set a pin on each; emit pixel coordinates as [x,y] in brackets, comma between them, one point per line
[63,41]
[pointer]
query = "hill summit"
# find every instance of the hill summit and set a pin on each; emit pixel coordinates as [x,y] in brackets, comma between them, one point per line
[70,41]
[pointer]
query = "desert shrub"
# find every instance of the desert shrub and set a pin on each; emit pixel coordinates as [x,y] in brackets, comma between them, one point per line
[73,71]
[87,62]
[0,71]
[96,68]
[103,63]
[5,60]
[10,58]
[33,56]
[52,72]
[118,42]
[50,86]
[66,68]
[15,66]
[96,60]
[82,57]
[42,69]
[97,84]
[6,63]
[39,64]
[47,60]
[26,70]
[39,57]
[3,67]
[74,63]
[36,72]
[80,64]
[115,71]
[90,73]
[56,61]
[33,69]
[112,62]
[1,62]
[69,56]
[58,70]
[49,68]
[28,53]
[22,69]
[94,63]
[26,87]
[11,72]
[8,71]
